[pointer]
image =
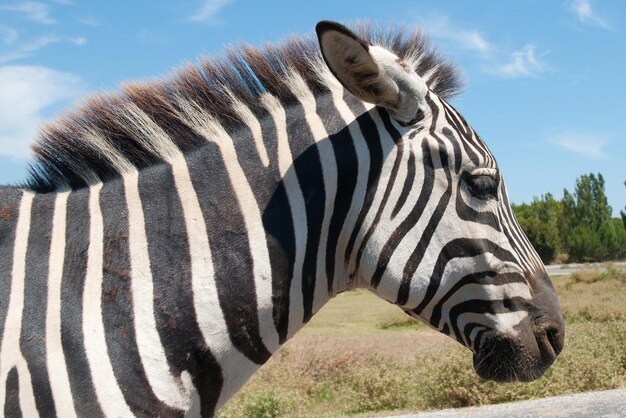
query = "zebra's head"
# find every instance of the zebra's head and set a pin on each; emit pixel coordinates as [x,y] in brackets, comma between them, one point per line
[444,244]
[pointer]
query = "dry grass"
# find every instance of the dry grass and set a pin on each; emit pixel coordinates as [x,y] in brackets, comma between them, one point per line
[360,356]
[591,295]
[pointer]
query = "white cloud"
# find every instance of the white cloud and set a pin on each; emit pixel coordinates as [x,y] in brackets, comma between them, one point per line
[583,10]
[27,49]
[24,50]
[584,143]
[471,39]
[522,63]
[25,93]
[8,35]
[494,60]
[78,41]
[89,21]
[209,10]
[32,10]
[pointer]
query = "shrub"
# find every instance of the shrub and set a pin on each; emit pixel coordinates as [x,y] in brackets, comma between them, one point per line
[264,405]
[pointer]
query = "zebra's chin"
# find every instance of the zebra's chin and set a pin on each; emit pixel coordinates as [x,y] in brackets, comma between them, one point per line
[503,358]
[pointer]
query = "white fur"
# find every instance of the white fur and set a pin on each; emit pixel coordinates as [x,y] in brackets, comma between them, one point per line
[166,388]
[503,322]
[109,395]
[341,281]
[55,361]
[253,124]
[212,131]
[387,146]
[329,177]
[236,367]
[298,211]
[10,352]
[98,143]
[490,292]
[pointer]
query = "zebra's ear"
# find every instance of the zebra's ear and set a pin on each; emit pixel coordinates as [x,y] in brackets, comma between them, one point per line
[371,73]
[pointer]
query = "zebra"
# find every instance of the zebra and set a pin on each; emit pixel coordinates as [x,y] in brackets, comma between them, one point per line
[172,236]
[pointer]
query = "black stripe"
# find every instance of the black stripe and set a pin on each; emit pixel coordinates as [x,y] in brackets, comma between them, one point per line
[376,158]
[483,277]
[263,180]
[417,210]
[208,380]
[117,308]
[465,137]
[418,253]
[281,244]
[232,261]
[411,219]
[408,184]
[170,266]
[425,194]
[347,172]
[381,208]
[492,307]
[72,286]
[512,230]
[396,137]
[308,167]
[33,335]
[277,223]
[468,132]
[467,331]
[527,251]
[12,401]
[9,212]
[170,263]
[461,247]
[455,146]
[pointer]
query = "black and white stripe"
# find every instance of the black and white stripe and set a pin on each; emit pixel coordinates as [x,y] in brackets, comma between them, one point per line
[159,289]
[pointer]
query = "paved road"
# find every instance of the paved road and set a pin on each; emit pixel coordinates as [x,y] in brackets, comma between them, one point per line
[606,404]
[561,270]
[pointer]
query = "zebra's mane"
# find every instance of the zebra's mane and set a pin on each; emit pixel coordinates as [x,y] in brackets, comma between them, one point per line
[103,138]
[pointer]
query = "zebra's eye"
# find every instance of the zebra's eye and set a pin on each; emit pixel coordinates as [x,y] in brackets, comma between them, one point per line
[482,186]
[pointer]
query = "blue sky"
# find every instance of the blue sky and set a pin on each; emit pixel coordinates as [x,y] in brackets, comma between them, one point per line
[545,79]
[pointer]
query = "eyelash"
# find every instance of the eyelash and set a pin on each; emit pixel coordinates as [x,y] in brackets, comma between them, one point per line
[482,186]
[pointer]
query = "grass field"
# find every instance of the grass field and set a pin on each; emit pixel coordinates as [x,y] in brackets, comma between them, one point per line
[361,356]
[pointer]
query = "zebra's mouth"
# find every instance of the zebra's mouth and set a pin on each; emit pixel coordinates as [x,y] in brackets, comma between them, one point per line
[504,358]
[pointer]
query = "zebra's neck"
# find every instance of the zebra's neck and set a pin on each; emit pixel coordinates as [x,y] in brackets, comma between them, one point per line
[185,277]
[264,220]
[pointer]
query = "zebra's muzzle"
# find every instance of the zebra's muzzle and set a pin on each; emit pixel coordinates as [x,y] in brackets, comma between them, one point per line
[525,357]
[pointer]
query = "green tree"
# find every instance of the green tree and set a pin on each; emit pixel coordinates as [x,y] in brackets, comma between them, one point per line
[540,222]
[567,221]
[592,207]
[588,207]
[612,239]
[579,225]
[584,244]
[623,213]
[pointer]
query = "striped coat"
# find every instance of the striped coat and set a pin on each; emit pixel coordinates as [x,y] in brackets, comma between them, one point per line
[172,237]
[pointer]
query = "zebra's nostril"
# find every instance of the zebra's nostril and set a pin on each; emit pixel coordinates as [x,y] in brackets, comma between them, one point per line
[555,339]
